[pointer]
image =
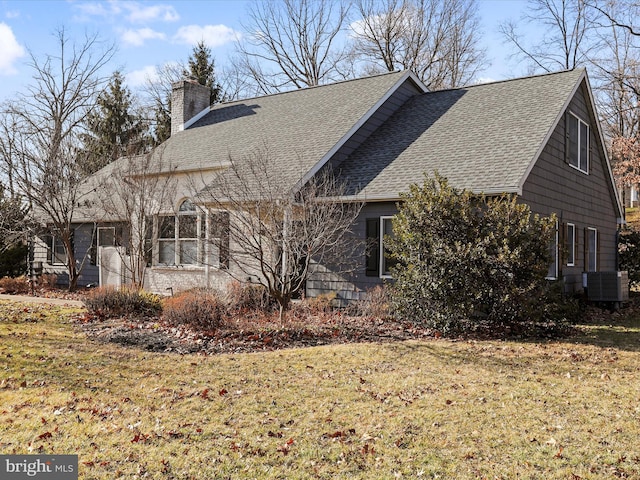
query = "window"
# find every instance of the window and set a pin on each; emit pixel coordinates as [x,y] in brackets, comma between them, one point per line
[105,237]
[58,254]
[592,249]
[578,143]
[187,226]
[571,244]
[378,261]
[183,238]
[167,240]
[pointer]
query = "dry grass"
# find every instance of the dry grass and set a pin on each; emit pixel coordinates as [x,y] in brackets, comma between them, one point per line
[632,216]
[417,409]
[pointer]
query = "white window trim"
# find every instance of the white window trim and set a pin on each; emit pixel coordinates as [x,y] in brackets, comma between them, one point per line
[52,257]
[179,239]
[572,244]
[577,167]
[381,262]
[204,239]
[595,249]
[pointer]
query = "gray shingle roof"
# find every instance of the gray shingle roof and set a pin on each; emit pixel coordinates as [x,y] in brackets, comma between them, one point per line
[298,128]
[483,138]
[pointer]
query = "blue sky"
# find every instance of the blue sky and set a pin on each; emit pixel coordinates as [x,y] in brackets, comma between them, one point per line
[150,33]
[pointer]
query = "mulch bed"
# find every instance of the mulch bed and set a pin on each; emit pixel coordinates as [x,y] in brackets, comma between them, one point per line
[244,334]
[158,337]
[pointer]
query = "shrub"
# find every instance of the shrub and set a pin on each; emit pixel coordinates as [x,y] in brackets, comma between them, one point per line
[465,260]
[629,254]
[113,303]
[15,285]
[375,304]
[48,280]
[248,297]
[323,303]
[13,261]
[201,309]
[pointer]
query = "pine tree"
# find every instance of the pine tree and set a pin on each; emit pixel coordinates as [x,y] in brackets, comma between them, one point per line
[202,68]
[113,129]
[162,120]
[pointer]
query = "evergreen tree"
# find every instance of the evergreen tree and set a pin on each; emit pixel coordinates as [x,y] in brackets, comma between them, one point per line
[114,130]
[162,113]
[201,67]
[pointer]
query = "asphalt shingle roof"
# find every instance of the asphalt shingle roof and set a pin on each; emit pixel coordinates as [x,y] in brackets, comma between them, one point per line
[482,138]
[298,128]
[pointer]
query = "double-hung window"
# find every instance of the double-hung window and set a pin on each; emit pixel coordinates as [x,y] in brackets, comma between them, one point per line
[178,236]
[58,252]
[190,238]
[578,143]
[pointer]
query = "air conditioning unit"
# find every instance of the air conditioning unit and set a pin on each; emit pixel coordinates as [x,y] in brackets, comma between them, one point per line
[608,286]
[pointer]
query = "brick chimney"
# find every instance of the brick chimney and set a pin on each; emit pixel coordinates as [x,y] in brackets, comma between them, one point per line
[188,99]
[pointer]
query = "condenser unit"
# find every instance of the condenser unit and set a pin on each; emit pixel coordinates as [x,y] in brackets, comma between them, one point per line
[608,286]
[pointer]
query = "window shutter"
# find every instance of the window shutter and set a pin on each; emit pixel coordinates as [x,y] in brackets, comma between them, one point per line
[597,250]
[576,249]
[373,247]
[562,246]
[224,241]
[219,230]
[590,153]
[93,253]
[566,137]
[49,242]
[586,249]
[118,239]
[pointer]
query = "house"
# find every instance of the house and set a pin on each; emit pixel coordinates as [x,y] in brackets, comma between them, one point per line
[537,137]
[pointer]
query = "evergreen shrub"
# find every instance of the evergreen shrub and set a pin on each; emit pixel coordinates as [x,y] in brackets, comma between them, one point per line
[467,262]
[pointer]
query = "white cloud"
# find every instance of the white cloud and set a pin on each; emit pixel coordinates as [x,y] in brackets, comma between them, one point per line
[138,78]
[212,35]
[136,38]
[132,12]
[12,14]
[142,13]
[10,52]
[95,9]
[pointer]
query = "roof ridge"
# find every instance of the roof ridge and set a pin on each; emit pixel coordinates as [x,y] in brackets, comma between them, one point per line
[506,80]
[313,87]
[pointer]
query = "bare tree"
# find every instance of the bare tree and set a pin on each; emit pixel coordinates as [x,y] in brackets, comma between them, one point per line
[619,19]
[129,193]
[617,71]
[292,44]
[437,39]
[276,235]
[49,118]
[620,13]
[565,40]
[157,91]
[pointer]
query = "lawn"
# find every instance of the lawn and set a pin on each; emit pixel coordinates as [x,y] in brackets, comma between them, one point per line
[413,409]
